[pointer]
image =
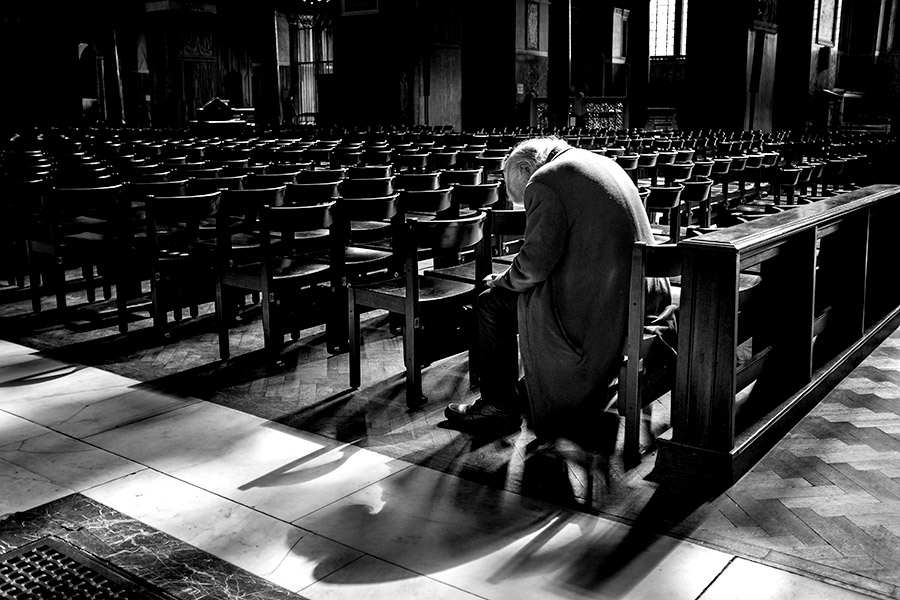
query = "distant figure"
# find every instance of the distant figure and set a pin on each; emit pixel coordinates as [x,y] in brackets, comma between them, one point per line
[288,112]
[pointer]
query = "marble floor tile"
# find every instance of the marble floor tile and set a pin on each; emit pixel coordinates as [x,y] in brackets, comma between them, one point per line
[496,544]
[68,462]
[15,429]
[275,469]
[746,580]
[9,350]
[277,551]
[371,579]
[21,489]
[84,413]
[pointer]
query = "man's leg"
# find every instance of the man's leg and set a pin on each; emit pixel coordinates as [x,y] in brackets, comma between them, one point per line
[497,329]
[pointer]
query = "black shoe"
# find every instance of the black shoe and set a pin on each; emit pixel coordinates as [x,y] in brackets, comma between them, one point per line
[482,415]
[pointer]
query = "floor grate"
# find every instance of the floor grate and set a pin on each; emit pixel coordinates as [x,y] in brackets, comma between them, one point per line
[51,569]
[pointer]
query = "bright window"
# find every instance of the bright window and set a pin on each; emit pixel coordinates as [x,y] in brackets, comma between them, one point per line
[668,27]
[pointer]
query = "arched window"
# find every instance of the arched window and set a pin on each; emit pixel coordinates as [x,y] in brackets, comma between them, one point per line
[668,27]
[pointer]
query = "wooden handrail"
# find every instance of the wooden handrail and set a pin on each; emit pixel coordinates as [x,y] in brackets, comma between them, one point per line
[825,300]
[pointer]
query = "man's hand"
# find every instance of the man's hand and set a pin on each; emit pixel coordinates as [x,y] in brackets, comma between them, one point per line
[491,280]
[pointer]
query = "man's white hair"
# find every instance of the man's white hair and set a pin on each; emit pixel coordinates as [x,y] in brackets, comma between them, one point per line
[528,156]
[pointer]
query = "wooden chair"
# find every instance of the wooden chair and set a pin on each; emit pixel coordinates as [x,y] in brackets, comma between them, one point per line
[77,227]
[666,200]
[285,271]
[648,369]
[418,297]
[181,261]
[695,193]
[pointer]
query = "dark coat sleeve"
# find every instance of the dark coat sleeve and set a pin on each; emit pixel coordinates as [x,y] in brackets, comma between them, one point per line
[545,240]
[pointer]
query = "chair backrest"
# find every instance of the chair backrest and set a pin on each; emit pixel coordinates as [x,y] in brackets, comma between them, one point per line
[738,162]
[666,157]
[684,155]
[627,161]
[417,181]
[442,159]
[291,219]
[464,176]
[71,201]
[721,166]
[286,167]
[307,194]
[476,196]
[647,160]
[696,190]
[369,171]
[425,201]
[248,202]
[321,175]
[186,208]
[702,168]
[367,188]
[265,180]
[664,197]
[754,161]
[184,171]
[139,190]
[676,171]
[380,208]
[447,234]
[202,185]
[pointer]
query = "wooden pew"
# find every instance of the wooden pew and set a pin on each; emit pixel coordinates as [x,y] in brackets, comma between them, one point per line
[826,300]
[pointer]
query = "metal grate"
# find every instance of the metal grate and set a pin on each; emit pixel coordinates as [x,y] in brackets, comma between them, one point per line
[51,569]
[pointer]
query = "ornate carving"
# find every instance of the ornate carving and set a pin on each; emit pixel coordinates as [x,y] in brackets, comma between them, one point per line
[197,46]
[765,15]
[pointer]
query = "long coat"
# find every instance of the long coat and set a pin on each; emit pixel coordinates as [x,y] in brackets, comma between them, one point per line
[583,215]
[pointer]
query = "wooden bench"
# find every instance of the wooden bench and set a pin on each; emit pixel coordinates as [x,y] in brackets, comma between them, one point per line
[826,300]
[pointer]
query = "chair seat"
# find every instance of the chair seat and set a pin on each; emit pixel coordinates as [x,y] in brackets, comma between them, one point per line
[369,231]
[284,270]
[356,255]
[465,272]
[188,252]
[431,289]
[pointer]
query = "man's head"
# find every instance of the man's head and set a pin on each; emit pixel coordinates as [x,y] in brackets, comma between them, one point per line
[524,159]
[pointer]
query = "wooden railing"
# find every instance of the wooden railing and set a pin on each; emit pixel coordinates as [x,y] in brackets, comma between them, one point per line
[746,375]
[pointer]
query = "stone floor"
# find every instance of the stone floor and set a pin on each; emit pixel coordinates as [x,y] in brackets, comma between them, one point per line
[300,484]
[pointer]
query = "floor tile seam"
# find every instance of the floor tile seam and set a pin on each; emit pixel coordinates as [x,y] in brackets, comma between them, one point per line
[808,573]
[399,566]
[830,580]
[716,577]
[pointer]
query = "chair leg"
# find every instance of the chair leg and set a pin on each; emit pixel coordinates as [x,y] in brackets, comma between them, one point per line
[353,325]
[159,312]
[268,298]
[336,331]
[414,396]
[222,321]
[59,283]
[87,272]
[35,285]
